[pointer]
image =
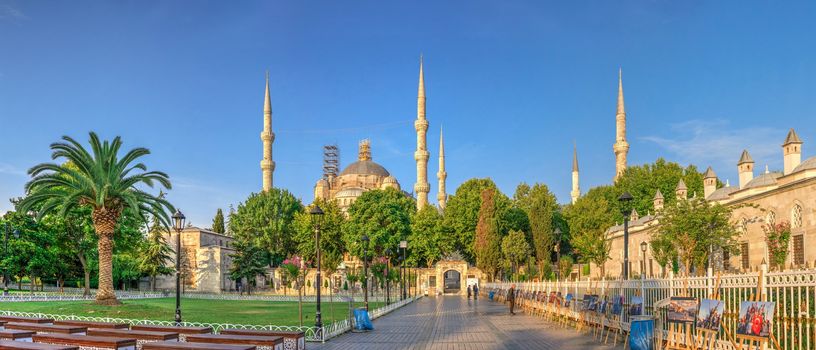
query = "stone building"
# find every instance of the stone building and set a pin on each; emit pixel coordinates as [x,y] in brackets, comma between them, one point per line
[789,195]
[205,261]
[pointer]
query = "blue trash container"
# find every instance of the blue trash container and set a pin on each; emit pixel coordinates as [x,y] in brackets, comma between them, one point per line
[361,320]
[490,295]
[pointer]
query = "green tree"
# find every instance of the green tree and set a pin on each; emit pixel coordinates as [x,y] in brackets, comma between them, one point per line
[462,214]
[588,220]
[156,255]
[268,218]
[426,244]
[643,181]
[488,238]
[248,261]
[383,215]
[542,208]
[126,269]
[694,227]
[103,182]
[332,245]
[515,249]
[218,222]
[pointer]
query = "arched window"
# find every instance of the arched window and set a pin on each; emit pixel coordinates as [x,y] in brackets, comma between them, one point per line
[743,225]
[796,216]
[770,219]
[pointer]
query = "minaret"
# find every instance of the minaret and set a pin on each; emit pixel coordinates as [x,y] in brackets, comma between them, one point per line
[745,169]
[442,175]
[709,182]
[621,147]
[421,188]
[576,190]
[268,137]
[792,151]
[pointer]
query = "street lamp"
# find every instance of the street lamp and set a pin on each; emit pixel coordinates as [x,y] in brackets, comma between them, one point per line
[365,271]
[624,199]
[178,224]
[387,276]
[317,220]
[643,246]
[5,271]
[404,246]
[557,233]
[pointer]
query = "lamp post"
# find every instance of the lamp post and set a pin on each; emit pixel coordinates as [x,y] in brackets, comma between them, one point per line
[624,199]
[365,271]
[643,246]
[178,224]
[317,220]
[387,279]
[557,233]
[5,270]
[404,246]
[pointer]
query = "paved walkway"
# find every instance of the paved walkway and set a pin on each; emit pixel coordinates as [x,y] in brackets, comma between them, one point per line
[459,323]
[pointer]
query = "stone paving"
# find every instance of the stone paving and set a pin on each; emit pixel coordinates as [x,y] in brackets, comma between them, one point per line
[458,323]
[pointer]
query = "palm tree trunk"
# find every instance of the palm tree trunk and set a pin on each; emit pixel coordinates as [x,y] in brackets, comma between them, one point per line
[104,221]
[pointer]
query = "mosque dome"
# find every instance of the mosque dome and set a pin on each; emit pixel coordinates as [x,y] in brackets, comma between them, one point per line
[365,167]
[766,179]
[722,193]
[809,163]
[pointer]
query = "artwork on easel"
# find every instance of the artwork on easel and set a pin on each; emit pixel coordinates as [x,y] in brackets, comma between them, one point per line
[710,314]
[568,300]
[682,310]
[552,299]
[603,306]
[617,305]
[636,307]
[590,302]
[755,318]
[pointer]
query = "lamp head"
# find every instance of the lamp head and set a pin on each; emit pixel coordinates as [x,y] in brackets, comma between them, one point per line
[178,220]
[643,246]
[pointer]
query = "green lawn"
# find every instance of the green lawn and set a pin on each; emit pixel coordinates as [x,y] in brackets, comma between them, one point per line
[194,310]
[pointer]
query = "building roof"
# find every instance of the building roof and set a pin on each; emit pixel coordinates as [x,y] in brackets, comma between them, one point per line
[365,167]
[390,180]
[809,163]
[709,173]
[792,138]
[745,157]
[681,185]
[766,179]
[658,195]
[722,193]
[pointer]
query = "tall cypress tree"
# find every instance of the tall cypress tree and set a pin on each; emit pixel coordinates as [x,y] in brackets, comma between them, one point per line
[218,222]
[488,240]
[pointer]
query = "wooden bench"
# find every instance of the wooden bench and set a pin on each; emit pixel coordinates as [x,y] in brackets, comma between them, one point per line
[19,345]
[182,331]
[46,328]
[170,345]
[26,319]
[291,339]
[141,337]
[90,324]
[87,342]
[14,334]
[261,342]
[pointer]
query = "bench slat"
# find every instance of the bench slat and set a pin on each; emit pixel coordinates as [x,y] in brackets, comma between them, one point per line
[26,319]
[234,339]
[39,327]
[84,340]
[19,345]
[285,334]
[92,324]
[199,346]
[182,330]
[139,335]
[13,334]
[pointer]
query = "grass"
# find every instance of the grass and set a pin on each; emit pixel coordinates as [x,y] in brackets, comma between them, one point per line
[281,313]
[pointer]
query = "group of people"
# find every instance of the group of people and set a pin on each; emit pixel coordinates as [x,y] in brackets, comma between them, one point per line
[473,290]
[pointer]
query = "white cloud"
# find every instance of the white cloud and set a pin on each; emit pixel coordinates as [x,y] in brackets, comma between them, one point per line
[10,13]
[9,169]
[716,142]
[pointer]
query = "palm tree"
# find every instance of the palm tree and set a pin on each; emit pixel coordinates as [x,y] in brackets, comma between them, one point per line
[103,182]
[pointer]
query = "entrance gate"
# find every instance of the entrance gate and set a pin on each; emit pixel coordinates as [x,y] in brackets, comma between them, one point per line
[453,282]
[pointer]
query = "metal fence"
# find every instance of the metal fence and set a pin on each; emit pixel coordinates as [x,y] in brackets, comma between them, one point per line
[49,296]
[794,325]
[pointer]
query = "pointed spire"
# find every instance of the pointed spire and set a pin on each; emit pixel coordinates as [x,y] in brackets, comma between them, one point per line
[745,157]
[791,138]
[709,173]
[267,99]
[658,195]
[681,185]
[441,175]
[621,109]
[441,146]
[421,89]
[574,157]
[766,169]
[727,183]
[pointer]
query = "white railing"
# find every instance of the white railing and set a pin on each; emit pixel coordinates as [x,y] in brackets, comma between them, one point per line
[272,297]
[40,296]
[794,293]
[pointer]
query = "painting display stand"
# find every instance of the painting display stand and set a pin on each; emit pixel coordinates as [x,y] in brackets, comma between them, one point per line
[752,341]
[679,336]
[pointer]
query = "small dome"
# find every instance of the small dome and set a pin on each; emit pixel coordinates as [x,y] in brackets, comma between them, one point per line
[365,167]
[809,163]
[322,183]
[763,180]
[350,192]
[390,180]
[722,193]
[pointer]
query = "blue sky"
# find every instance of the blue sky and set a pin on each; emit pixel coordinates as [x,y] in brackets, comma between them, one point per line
[513,83]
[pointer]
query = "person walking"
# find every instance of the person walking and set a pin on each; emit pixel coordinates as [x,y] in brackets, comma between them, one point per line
[511,298]
[470,290]
[475,291]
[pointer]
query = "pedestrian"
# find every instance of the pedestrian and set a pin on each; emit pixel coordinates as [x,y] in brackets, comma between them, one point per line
[511,297]
[475,291]
[469,291]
